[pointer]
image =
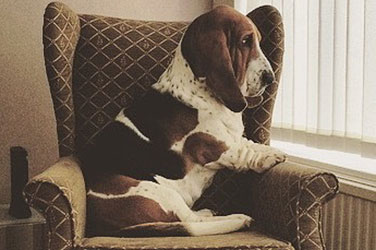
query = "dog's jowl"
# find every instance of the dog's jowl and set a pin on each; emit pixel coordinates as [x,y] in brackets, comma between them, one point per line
[146,169]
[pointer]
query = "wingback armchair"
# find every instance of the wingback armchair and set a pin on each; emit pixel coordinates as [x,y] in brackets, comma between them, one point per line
[95,66]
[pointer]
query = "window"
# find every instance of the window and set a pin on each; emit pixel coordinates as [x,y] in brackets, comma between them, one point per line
[327,95]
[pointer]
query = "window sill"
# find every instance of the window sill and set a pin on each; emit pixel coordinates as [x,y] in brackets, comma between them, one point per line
[357,174]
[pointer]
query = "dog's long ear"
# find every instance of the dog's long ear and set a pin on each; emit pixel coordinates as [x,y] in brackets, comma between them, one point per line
[205,47]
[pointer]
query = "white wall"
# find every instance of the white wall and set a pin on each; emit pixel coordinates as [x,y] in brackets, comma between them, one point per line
[26,113]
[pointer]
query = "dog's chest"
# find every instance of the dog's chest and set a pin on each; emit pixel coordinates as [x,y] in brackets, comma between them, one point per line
[213,117]
[224,129]
[223,125]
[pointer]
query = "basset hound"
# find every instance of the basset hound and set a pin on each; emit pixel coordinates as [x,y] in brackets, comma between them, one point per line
[148,167]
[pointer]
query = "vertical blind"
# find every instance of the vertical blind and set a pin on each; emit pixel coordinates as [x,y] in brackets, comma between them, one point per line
[328,84]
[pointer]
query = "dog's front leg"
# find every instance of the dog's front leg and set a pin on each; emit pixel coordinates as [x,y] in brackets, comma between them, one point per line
[247,155]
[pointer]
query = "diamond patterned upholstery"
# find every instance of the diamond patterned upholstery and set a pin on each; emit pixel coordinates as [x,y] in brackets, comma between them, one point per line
[55,210]
[289,199]
[59,194]
[60,36]
[258,119]
[95,66]
[116,62]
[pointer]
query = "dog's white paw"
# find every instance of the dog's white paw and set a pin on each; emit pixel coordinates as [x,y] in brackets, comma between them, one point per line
[205,212]
[247,220]
[269,158]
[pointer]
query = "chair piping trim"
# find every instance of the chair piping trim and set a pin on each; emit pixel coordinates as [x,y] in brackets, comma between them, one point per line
[328,196]
[72,211]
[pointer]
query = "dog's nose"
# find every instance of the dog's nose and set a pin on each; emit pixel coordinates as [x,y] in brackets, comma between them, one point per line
[267,77]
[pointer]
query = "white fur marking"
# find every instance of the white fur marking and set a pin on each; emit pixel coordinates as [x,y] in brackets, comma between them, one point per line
[192,185]
[127,122]
[221,226]
[253,75]
[179,81]
[168,199]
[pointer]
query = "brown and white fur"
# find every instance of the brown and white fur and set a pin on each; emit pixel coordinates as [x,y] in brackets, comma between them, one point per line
[150,165]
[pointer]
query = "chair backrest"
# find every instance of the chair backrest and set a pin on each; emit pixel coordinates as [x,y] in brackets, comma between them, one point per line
[112,62]
[115,62]
[97,65]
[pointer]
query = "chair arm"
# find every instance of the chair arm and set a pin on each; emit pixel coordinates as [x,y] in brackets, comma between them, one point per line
[59,194]
[287,202]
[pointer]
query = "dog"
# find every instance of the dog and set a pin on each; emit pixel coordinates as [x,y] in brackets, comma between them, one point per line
[146,169]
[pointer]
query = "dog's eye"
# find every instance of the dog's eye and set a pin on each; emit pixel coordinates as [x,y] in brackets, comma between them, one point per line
[247,40]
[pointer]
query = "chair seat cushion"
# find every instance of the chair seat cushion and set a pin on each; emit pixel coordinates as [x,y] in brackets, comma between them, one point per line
[240,240]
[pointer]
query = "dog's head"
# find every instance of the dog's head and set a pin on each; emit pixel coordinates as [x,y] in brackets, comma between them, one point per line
[223,46]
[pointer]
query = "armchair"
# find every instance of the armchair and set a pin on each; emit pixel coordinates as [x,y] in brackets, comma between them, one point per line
[95,66]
